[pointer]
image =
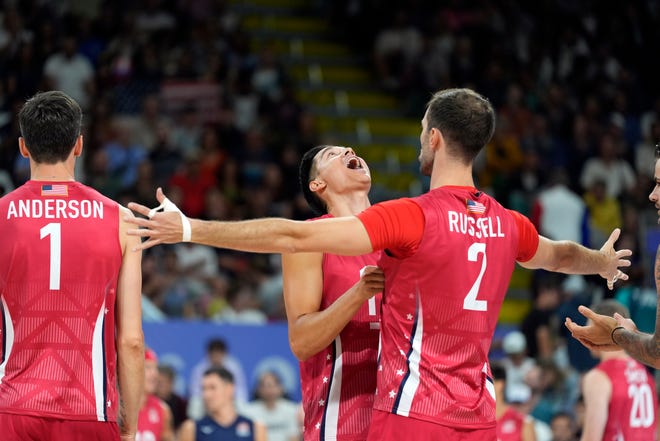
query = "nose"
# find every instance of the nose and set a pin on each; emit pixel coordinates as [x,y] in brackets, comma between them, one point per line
[349,151]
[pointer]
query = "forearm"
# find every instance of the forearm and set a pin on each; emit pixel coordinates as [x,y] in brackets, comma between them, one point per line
[343,235]
[260,235]
[644,348]
[573,258]
[130,373]
[313,332]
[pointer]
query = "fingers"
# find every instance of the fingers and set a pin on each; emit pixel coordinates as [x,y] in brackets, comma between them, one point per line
[613,238]
[572,326]
[138,208]
[147,244]
[624,253]
[160,196]
[588,313]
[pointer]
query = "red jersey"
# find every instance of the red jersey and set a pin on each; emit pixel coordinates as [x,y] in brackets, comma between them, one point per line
[60,258]
[632,413]
[510,425]
[441,304]
[151,420]
[338,383]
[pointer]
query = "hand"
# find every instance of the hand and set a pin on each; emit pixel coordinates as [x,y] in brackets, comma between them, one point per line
[597,333]
[616,259]
[127,437]
[372,281]
[160,227]
[625,322]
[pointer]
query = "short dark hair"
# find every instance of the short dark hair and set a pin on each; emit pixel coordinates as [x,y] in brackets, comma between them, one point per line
[216,344]
[305,173]
[221,372]
[465,119]
[50,124]
[657,151]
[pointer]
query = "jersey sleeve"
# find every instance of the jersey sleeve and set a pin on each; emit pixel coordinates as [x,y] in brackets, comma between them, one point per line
[396,226]
[528,237]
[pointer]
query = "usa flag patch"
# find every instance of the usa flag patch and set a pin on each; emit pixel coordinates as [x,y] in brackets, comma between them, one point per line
[475,207]
[54,190]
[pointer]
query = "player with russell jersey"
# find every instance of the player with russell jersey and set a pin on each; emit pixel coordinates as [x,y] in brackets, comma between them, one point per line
[448,258]
[620,399]
[333,305]
[70,315]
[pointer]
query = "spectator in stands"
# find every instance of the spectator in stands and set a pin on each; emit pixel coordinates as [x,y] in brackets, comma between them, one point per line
[271,408]
[217,355]
[518,367]
[165,391]
[221,421]
[511,424]
[561,213]
[71,72]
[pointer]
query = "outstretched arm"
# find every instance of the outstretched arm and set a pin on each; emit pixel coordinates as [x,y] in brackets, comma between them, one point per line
[342,235]
[572,258]
[613,333]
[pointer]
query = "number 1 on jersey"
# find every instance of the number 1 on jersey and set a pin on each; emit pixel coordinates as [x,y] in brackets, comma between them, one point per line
[54,230]
[471,301]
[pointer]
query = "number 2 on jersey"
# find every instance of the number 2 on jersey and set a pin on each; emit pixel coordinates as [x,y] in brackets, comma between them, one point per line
[54,230]
[470,302]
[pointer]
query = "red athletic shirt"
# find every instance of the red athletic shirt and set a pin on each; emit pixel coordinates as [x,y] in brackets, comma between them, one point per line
[60,258]
[151,420]
[449,257]
[633,409]
[339,382]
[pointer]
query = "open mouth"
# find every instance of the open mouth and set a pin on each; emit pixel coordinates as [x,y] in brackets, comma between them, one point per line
[354,163]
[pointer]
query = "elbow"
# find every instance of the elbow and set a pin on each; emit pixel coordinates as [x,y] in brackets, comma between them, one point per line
[130,344]
[300,350]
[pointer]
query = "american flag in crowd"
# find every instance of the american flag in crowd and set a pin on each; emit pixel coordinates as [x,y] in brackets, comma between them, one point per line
[475,207]
[54,190]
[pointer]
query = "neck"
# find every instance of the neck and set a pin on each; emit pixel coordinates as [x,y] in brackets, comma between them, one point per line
[612,355]
[270,404]
[449,172]
[52,172]
[225,415]
[348,204]
[500,408]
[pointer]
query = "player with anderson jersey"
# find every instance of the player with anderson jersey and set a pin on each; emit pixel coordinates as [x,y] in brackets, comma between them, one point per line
[70,312]
[620,398]
[333,305]
[453,243]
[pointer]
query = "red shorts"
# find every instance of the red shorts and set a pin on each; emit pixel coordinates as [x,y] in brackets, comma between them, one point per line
[387,426]
[29,428]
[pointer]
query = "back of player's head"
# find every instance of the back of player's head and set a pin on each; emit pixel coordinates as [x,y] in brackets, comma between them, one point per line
[221,372]
[50,124]
[609,307]
[306,173]
[465,119]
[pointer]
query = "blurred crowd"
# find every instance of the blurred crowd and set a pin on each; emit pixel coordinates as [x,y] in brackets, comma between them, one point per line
[176,95]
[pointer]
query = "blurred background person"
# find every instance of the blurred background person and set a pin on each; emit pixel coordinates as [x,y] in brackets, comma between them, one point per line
[220,422]
[155,417]
[273,409]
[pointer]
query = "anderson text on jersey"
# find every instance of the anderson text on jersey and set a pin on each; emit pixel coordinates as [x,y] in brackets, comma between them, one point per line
[55,209]
[481,227]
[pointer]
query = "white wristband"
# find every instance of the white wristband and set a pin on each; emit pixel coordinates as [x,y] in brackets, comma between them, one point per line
[168,205]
